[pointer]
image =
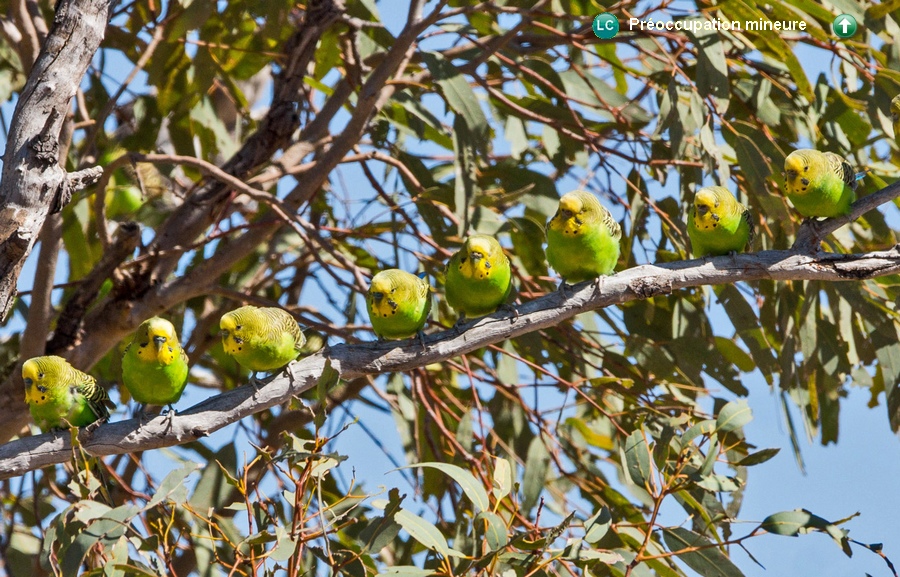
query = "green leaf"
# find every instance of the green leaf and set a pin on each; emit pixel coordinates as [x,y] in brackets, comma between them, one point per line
[457,92]
[502,481]
[708,561]
[706,427]
[465,179]
[494,529]
[425,533]
[471,486]
[597,526]
[407,571]
[712,69]
[381,531]
[172,486]
[329,378]
[637,458]
[536,465]
[734,354]
[733,416]
[801,522]
[758,457]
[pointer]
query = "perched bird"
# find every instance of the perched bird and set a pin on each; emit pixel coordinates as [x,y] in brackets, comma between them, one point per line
[717,223]
[60,396]
[154,366]
[819,183]
[582,238]
[261,338]
[398,304]
[895,118]
[478,278]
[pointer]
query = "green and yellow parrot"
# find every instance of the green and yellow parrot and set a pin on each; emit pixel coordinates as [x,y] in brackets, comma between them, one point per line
[398,304]
[582,238]
[478,277]
[154,365]
[895,118]
[819,183]
[717,223]
[261,339]
[60,396]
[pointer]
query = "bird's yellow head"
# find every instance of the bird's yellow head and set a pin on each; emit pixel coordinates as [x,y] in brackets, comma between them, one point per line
[35,374]
[706,209]
[380,299]
[156,340]
[570,215]
[797,172]
[234,329]
[478,256]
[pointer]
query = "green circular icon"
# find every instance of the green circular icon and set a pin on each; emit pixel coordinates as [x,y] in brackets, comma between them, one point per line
[844,26]
[606,26]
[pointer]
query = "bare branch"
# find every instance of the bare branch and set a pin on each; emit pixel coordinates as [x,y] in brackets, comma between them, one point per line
[32,180]
[353,361]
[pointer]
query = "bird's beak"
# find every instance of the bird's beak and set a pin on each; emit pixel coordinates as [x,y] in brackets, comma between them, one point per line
[475,255]
[702,209]
[377,296]
[223,333]
[566,214]
[790,174]
[160,341]
[28,382]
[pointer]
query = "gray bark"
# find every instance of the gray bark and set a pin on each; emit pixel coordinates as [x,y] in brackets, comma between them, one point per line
[33,184]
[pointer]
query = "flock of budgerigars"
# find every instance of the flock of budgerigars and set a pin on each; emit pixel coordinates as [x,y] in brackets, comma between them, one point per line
[582,244]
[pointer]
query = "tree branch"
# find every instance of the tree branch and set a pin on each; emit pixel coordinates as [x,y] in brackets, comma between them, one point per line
[353,361]
[33,182]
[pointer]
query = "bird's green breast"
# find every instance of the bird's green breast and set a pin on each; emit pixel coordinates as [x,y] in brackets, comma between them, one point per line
[826,196]
[399,318]
[477,294]
[583,253]
[730,233]
[262,354]
[151,382]
[62,408]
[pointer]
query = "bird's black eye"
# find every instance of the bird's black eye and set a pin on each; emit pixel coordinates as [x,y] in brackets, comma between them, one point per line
[239,327]
[40,375]
[805,168]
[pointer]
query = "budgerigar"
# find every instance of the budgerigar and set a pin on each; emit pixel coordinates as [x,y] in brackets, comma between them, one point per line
[154,365]
[59,395]
[261,338]
[582,238]
[717,223]
[819,183]
[895,118]
[478,277]
[398,304]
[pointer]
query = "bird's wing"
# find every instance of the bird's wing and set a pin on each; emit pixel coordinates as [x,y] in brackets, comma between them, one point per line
[95,395]
[839,166]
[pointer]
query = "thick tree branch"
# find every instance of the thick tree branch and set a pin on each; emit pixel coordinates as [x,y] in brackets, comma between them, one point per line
[33,183]
[353,361]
